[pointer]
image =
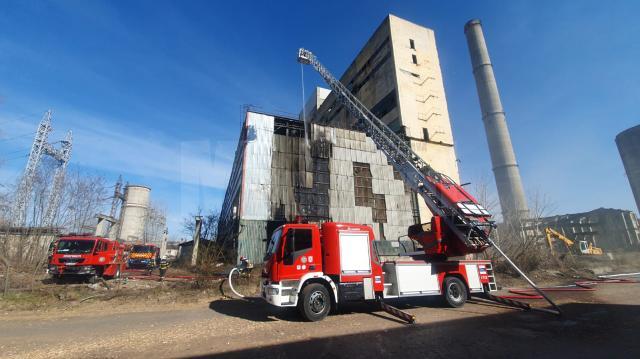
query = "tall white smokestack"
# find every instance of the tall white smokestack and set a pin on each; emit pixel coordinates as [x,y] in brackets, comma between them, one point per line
[503,159]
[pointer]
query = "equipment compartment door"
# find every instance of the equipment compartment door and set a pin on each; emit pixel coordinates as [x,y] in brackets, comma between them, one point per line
[355,257]
[416,279]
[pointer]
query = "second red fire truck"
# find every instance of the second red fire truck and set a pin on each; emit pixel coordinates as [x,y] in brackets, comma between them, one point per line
[86,256]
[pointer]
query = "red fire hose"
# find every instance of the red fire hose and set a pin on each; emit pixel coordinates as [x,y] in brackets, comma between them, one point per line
[578,286]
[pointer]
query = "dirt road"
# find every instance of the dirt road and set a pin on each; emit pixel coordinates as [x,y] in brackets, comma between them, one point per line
[597,324]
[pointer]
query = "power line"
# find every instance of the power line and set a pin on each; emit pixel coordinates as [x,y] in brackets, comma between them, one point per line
[17,151]
[19,136]
[14,158]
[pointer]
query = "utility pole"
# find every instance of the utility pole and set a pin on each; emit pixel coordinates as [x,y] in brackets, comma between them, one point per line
[196,241]
[163,244]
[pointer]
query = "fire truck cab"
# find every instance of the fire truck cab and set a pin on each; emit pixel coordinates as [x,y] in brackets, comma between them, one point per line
[88,256]
[144,256]
[317,267]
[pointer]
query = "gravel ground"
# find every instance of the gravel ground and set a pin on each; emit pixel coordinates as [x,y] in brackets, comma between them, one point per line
[603,323]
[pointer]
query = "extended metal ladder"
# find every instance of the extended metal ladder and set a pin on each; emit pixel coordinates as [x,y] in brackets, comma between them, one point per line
[417,174]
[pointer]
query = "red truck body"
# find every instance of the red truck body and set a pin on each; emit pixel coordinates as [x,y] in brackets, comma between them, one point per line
[337,262]
[88,256]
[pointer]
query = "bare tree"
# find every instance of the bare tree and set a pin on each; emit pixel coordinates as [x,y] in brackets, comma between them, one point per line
[84,195]
[209,229]
[155,223]
[522,239]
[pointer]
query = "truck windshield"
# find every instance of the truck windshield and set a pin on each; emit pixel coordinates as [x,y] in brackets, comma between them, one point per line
[75,246]
[273,243]
[142,249]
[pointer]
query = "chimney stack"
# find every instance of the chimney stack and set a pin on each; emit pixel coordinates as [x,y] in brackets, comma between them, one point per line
[503,159]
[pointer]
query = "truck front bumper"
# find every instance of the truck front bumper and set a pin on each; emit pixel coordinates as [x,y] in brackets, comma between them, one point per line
[71,270]
[273,294]
[140,263]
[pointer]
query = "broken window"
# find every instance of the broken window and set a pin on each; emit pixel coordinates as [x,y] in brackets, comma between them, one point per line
[362,180]
[288,127]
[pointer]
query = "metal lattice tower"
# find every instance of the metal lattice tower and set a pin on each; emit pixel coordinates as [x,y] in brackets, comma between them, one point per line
[118,197]
[39,148]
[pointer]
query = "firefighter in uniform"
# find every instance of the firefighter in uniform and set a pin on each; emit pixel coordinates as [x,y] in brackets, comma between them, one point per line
[164,264]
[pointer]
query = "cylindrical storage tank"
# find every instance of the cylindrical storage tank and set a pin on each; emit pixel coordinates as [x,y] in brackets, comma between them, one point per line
[134,213]
[628,142]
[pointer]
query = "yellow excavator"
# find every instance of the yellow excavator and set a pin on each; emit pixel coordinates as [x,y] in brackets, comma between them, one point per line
[583,247]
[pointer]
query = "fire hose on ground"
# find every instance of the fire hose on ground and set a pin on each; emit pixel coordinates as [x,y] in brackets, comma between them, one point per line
[236,269]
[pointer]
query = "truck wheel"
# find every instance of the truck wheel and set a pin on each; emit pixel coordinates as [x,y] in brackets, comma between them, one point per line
[116,275]
[455,292]
[314,302]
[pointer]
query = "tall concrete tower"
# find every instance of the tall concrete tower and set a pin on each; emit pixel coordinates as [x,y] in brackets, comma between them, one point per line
[628,142]
[503,159]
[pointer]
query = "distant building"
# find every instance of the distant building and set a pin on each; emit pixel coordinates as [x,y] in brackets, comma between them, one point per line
[609,229]
[344,177]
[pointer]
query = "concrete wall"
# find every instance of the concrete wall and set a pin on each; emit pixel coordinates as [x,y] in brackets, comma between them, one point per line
[384,70]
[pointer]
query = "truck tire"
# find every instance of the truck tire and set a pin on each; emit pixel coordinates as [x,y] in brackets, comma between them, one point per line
[455,292]
[314,302]
[116,275]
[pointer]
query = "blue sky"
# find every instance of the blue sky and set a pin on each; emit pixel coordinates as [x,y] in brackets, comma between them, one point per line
[154,90]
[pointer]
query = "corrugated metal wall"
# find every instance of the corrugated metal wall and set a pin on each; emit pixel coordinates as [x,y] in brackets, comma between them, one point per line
[251,242]
[256,192]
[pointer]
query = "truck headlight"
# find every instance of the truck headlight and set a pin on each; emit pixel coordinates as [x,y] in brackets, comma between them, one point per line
[273,291]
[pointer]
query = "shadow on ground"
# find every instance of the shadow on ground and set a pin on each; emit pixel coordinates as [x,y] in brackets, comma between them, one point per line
[585,331]
[256,309]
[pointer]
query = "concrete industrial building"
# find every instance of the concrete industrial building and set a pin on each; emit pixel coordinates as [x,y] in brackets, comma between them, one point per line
[397,75]
[505,168]
[628,142]
[345,178]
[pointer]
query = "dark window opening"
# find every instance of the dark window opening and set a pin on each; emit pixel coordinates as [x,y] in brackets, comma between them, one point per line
[397,176]
[379,208]
[381,230]
[385,105]
[287,127]
[412,44]
[363,184]
[364,192]
[414,58]
[425,134]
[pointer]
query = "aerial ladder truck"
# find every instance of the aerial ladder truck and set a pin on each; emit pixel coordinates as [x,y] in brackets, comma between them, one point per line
[316,267]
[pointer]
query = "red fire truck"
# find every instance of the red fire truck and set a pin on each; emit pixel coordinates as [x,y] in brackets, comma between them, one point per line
[317,267]
[87,256]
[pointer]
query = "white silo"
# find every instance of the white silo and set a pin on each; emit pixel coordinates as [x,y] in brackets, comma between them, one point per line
[134,213]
